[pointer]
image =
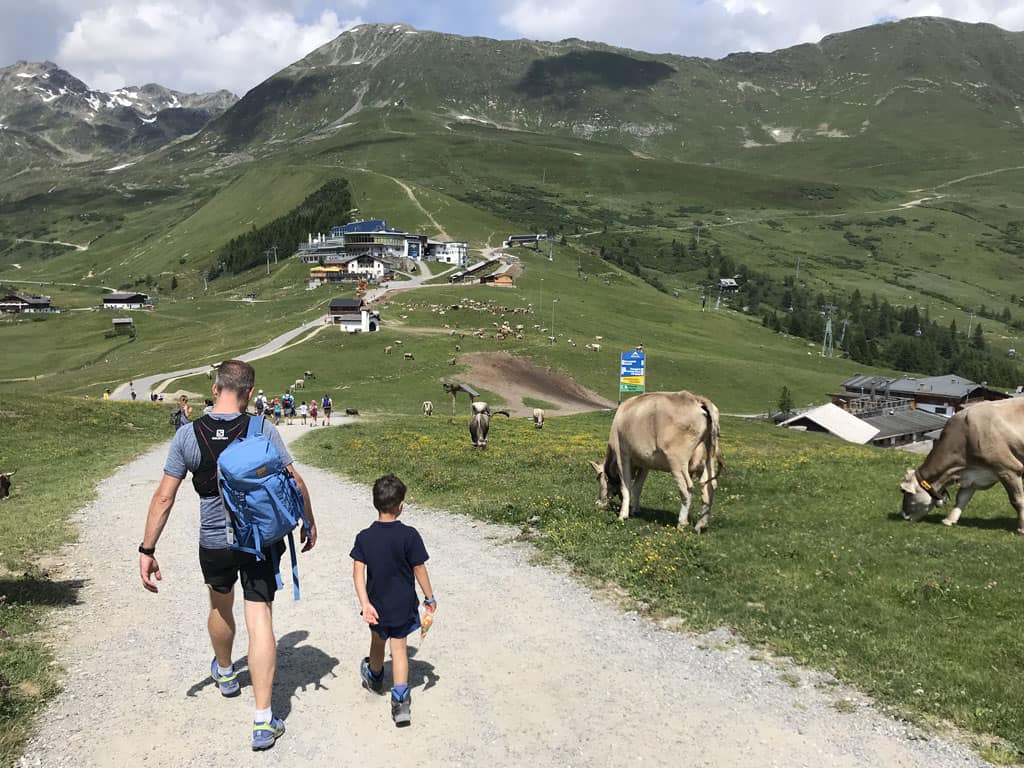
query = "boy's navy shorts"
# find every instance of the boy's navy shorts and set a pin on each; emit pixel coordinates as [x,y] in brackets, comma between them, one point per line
[400,630]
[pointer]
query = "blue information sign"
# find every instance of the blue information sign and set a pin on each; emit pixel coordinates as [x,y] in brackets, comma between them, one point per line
[632,372]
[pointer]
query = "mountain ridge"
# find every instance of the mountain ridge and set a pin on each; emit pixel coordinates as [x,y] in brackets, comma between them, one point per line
[903,86]
[62,120]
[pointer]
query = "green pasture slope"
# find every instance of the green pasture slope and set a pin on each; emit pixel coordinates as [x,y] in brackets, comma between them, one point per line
[805,556]
[60,448]
[724,354]
[156,227]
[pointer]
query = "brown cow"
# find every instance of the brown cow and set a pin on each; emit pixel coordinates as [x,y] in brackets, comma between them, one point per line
[673,432]
[538,418]
[480,423]
[979,446]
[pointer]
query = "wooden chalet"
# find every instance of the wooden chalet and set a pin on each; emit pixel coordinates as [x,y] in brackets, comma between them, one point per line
[19,303]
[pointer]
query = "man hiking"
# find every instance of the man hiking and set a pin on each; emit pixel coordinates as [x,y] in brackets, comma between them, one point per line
[195,449]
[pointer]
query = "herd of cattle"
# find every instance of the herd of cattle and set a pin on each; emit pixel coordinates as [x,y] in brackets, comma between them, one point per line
[678,433]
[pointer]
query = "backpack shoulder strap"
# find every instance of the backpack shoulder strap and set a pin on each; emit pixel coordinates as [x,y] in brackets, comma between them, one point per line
[255,426]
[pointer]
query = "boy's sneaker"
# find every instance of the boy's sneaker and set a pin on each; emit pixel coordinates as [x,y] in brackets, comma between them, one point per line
[371,682]
[228,684]
[264,735]
[401,710]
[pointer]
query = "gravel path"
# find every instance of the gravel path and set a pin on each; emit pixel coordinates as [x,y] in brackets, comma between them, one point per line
[523,667]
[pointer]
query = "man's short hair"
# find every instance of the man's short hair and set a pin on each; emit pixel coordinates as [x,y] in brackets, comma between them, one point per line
[388,493]
[236,376]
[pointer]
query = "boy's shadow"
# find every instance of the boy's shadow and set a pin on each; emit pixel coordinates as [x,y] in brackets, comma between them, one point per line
[420,672]
[298,668]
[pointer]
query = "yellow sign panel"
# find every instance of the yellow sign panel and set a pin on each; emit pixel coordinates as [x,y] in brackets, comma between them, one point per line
[638,380]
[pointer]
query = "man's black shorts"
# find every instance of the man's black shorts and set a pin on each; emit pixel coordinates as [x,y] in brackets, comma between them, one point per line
[222,567]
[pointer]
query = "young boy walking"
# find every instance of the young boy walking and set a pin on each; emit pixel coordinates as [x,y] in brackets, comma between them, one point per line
[387,557]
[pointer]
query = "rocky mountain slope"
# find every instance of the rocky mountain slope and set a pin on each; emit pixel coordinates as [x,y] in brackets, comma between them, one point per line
[924,90]
[48,115]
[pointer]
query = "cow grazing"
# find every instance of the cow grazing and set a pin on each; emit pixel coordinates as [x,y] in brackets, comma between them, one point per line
[309,375]
[538,418]
[428,408]
[5,484]
[408,356]
[300,383]
[387,350]
[480,423]
[673,432]
[979,446]
[351,411]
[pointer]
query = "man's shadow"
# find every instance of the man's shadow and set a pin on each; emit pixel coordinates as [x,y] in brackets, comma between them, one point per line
[298,668]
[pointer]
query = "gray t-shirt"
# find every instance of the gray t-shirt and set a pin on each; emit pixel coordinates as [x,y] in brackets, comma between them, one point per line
[185,457]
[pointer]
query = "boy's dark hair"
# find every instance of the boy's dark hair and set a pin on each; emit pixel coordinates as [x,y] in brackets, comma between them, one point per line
[235,376]
[388,493]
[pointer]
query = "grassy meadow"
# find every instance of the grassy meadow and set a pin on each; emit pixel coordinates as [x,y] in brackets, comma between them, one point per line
[60,447]
[805,556]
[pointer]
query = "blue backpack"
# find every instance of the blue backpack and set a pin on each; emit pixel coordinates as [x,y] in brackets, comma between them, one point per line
[263,500]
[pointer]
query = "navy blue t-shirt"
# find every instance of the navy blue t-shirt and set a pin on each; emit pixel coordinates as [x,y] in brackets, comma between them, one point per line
[390,552]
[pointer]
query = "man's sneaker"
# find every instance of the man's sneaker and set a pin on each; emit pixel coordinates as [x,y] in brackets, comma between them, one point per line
[228,684]
[264,735]
[371,682]
[400,710]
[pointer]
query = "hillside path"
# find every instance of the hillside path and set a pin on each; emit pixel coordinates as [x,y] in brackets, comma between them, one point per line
[524,666]
[151,383]
[52,242]
[441,232]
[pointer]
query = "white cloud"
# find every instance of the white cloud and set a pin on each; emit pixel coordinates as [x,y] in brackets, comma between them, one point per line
[190,44]
[718,27]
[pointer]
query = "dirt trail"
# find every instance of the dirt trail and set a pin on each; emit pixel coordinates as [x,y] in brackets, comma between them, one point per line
[52,242]
[515,378]
[412,196]
[523,666]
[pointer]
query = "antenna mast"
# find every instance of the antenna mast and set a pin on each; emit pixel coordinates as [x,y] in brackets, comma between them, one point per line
[827,346]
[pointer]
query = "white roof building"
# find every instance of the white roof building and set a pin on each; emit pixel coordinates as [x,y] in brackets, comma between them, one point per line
[834,420]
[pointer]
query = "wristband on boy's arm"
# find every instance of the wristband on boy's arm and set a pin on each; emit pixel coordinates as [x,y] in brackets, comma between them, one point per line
[429,600]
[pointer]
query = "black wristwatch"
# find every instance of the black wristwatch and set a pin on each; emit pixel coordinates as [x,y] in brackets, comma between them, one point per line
[147,550]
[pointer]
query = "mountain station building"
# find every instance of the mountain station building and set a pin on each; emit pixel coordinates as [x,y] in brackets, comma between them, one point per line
[941,395]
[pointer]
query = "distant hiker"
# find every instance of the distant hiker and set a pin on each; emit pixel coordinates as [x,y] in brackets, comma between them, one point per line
[312,412]
[181,415]
[261,403]
[386,559]
[197,450]
[133,394]
[288,407]
[303,412]
[277,411]
[328,406]
[207,405]
[106,393]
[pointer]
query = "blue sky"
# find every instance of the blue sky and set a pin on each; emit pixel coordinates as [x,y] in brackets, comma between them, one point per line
[201,45]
